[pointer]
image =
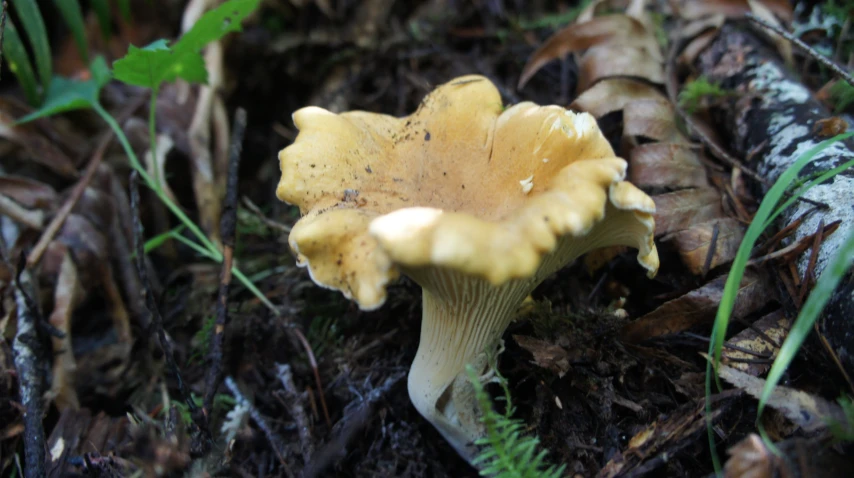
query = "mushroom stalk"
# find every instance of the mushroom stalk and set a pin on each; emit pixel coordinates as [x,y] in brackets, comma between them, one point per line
[462,319]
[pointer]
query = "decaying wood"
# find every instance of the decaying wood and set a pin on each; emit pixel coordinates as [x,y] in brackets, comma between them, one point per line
[772,121]
[30,357]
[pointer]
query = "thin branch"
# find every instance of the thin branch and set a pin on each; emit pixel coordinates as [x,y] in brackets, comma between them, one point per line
[59,219]
[30,355]
[199,418]
[803,46]
[227,232]
[296,409]
[359,414]
[313,363]
[274,439]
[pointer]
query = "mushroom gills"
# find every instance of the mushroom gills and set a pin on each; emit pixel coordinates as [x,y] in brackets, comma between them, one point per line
[463,318]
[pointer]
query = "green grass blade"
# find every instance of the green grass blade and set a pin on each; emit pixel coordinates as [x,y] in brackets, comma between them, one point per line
[806,187]
[33,24]
[757,226]
[124,8]
[102,11]
[73,16]
[736,274]
[19,63]
[810,311]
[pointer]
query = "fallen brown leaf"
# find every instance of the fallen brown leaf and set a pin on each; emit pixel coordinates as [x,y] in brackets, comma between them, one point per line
[546,355]
[667,165]
[693,9]
[27,192]
[679,210]
[613,94]
[698,308]
[39,148]
[749,458]
[754,346]
[809,412]
[652,118]
[603,61]
[723,235]
[578,37]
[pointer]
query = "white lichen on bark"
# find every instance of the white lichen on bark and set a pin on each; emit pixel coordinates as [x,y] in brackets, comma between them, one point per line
[788,139]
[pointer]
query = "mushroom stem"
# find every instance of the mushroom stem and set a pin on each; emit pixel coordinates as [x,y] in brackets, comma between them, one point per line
[462,319]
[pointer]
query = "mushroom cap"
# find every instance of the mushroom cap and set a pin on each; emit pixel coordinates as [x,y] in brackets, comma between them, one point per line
[462,184]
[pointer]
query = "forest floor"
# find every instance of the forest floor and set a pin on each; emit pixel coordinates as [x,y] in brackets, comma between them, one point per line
[606,366]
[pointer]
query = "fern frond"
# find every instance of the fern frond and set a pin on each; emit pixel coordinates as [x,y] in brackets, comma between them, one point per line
[507,452]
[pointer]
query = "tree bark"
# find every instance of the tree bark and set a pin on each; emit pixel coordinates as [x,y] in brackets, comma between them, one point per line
[771,121]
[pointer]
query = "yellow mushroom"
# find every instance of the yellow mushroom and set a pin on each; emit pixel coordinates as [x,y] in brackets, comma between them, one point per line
[476,203]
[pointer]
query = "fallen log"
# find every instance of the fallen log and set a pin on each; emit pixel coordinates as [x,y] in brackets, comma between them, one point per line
[772,120]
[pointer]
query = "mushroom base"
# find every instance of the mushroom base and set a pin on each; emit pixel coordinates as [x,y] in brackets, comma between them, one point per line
[463,318]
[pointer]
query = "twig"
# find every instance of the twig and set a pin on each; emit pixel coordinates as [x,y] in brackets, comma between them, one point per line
[254,209]
[286,376]
[313,363]
[199,419]
[713,245]
[227,231]
[29,352]
[272,437]
[354,422]
[59,219]
[803,46]
[818,237]
[717,150]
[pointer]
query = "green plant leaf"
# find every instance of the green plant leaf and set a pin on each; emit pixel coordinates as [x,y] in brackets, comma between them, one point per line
[19,63]
[158,63]
[33,24]
[102,11]
[73,16]
[144,66]
[215,24]
[65,94]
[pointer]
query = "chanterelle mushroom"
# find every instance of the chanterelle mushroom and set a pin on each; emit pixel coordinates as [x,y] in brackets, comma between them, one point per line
[475,202]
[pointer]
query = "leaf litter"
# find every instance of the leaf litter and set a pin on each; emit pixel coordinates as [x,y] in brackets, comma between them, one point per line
[605,369]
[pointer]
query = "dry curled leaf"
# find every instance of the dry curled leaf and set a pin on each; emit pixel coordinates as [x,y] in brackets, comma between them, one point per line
[577,37]
[659,165]
[613,94]
[746,350]
[809,412]
[653,119]
[749,458]
[27,192]
[546,355]
[39,148]
[679,210]
[693,9]
[603,61]
[707,245]
[698,308]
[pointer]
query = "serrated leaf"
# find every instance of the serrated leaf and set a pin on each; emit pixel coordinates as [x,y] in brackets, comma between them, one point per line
[19,63]
[158,63]
[65,94]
